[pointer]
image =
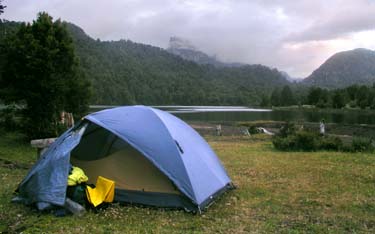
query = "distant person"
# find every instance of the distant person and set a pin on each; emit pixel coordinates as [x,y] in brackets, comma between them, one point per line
[322,129]
[218,130]
[302,128]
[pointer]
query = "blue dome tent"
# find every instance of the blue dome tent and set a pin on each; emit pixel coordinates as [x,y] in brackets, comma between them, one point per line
[154,158]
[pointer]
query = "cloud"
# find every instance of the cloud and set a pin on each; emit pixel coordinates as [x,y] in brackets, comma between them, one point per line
[295,36]
[342,23]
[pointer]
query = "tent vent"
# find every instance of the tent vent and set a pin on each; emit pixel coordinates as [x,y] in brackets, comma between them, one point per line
[179,147]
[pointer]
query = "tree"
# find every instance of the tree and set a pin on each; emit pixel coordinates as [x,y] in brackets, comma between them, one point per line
[363,96]
[287,97]
[338,99]
[2,7]
[42,73]
[318,97]
[265,101]
[275,97]
[352,92]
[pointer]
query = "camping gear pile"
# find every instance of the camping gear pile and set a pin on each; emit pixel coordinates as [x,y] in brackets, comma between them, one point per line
[154,158]
[80,195]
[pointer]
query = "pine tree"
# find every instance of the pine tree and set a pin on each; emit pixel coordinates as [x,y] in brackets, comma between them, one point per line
[265,101]
[42,73]
[338,99]
[287,97]
[275,97]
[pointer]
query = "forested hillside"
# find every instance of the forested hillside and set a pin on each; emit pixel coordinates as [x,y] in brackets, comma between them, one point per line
[124,72]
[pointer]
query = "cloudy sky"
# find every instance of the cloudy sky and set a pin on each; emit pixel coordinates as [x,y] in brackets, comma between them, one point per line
[295,36]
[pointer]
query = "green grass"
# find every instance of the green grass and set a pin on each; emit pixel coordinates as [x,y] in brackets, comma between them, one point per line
[278,192]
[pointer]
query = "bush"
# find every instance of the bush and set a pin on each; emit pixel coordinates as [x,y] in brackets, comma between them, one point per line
[304,140]
[284,143]
[331,143]
[287,129]
[360,144]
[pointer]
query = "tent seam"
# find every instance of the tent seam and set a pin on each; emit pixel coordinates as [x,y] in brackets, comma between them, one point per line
[191,185]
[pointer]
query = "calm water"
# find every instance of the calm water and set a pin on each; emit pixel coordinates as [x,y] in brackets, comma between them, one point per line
[240,113]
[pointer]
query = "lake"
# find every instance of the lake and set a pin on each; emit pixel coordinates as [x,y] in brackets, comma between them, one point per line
[241,113]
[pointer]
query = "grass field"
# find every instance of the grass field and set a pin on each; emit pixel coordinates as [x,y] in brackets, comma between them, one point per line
[278,192]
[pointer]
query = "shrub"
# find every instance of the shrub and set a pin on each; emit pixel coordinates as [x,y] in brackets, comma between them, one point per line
[306,141]
[302,140]
[287,129]
[360,144]
[347,148]
[331,143]
[284,143]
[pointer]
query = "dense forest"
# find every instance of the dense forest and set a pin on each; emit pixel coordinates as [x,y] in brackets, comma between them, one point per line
[354,96]
[125,72]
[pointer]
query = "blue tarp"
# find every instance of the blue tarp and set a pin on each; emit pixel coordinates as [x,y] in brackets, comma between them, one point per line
[169,143]
[47,180]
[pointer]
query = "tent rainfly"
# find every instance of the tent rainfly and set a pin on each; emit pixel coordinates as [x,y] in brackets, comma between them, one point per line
[154,158]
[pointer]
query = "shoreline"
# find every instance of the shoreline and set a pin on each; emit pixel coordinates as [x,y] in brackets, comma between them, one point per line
[326,110]
[237,128]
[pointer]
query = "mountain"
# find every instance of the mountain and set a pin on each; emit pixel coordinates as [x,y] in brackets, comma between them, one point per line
[344,69]
[125,72]
[186,50]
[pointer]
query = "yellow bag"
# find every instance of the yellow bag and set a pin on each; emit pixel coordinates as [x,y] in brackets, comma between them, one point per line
[77,176]
[103,192]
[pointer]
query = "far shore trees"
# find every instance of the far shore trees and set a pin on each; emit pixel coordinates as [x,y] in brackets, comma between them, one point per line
[42,74]
[352,97]
[287,97]
[283,97]
[275,97]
